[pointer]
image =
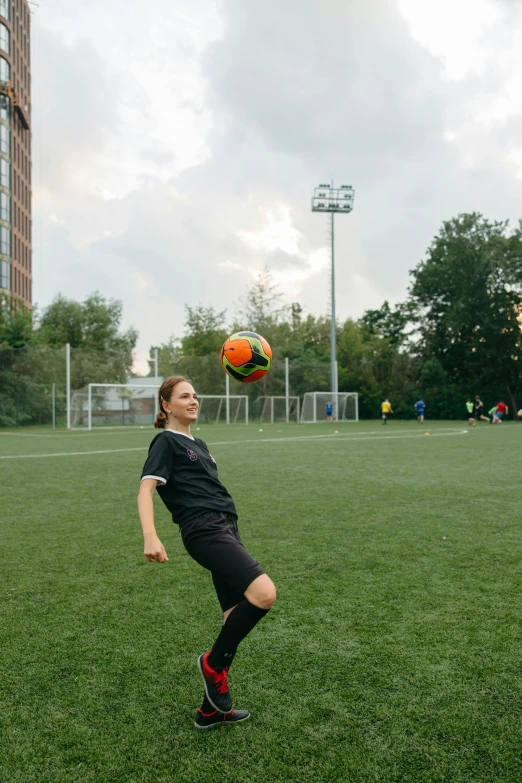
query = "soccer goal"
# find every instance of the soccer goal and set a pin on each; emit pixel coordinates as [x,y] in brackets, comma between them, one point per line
[120,404]
[275,408]
[219,408]
[345,406]
[114,404]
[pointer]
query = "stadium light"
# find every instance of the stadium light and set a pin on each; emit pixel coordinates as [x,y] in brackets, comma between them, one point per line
[326,198]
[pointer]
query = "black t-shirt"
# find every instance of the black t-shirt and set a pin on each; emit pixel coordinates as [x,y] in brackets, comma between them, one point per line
[189,484]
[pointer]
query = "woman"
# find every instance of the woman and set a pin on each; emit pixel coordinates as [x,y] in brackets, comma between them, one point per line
[181,468]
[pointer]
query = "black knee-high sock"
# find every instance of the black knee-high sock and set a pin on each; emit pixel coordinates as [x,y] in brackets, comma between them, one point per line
[239,623]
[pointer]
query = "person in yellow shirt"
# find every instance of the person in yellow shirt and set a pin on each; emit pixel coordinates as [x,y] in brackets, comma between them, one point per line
[386,408]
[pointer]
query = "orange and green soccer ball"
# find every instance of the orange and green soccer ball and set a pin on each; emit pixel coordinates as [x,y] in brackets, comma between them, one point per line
[246,356]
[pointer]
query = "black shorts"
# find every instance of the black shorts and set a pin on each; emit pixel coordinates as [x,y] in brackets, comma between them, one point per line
[213,541]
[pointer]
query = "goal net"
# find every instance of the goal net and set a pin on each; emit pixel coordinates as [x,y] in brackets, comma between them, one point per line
[274,408]
[114,404]
[213,408]
[120,404]
[345,406]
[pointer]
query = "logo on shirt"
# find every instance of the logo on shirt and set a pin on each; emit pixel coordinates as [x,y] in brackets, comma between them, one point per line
[192,455]
[212,458]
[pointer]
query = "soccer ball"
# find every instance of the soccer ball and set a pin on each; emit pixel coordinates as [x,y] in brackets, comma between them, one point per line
[520,413]
[246,356]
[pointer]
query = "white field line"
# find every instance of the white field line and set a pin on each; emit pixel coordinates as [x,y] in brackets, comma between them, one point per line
[134,430]
[240,442]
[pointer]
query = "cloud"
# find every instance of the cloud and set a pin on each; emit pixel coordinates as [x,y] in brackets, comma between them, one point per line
[176,154]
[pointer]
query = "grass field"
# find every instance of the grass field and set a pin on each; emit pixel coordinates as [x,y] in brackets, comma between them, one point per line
[392,654]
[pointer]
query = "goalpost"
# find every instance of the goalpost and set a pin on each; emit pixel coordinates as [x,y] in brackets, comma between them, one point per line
[279,408]
[345,406]
[114,404]
[120,404]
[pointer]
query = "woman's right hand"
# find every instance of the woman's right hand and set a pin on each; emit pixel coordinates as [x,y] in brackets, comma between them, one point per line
[154,550]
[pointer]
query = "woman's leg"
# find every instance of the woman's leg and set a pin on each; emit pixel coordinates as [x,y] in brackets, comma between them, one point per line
[261,592]
[241,619]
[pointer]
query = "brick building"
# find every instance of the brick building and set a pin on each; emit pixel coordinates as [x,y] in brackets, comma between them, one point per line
[15,150]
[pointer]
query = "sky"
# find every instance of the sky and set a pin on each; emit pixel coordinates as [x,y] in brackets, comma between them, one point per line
[177,143]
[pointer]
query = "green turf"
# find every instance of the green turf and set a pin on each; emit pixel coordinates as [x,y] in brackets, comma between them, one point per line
[392,653]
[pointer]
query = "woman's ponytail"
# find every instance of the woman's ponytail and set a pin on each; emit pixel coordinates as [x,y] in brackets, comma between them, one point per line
[160,421]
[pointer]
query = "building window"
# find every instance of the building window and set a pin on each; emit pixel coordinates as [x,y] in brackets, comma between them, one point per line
[5,141]
[5,173]
[4,38]
[4,275]
[5,207]
[5,70]
[5,112]
[5,241]
[4,9]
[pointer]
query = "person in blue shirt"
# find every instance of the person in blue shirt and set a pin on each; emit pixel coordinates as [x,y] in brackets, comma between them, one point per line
[419,407]
[329,410]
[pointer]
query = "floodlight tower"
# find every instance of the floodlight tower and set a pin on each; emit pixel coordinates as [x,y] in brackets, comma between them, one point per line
[326,198]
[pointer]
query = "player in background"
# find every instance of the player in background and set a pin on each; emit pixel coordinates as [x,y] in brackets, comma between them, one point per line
[470,409]
[386,408]
[329,410]
[478,410]
[502,410]
[492,413]
[420,407]
[181,468]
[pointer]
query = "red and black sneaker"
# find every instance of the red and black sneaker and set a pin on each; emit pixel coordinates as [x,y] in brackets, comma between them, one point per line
[217,718]
[216,684]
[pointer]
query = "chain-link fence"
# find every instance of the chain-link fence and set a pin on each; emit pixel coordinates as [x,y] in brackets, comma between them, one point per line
[33,384]
[33,389]
[207,377]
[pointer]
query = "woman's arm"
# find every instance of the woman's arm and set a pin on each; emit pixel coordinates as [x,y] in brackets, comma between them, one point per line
[154,550]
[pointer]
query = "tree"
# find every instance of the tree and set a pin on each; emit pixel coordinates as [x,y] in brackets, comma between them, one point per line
[205,331]
[260,309]
[16,323]
[92,324]
[388,322]
[168,354]
[100,352]
[467,300]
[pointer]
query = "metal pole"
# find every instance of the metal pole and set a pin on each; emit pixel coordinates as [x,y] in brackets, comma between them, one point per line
[287,389]
[155,362]
[227,392]
[336,391]
[89,407]
[68,382]
[333,335]
[53,403]
[246,410]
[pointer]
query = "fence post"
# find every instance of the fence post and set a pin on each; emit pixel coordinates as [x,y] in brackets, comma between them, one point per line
[89,407]
[227,392]
[287,389]
[68,382]
[336,391]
